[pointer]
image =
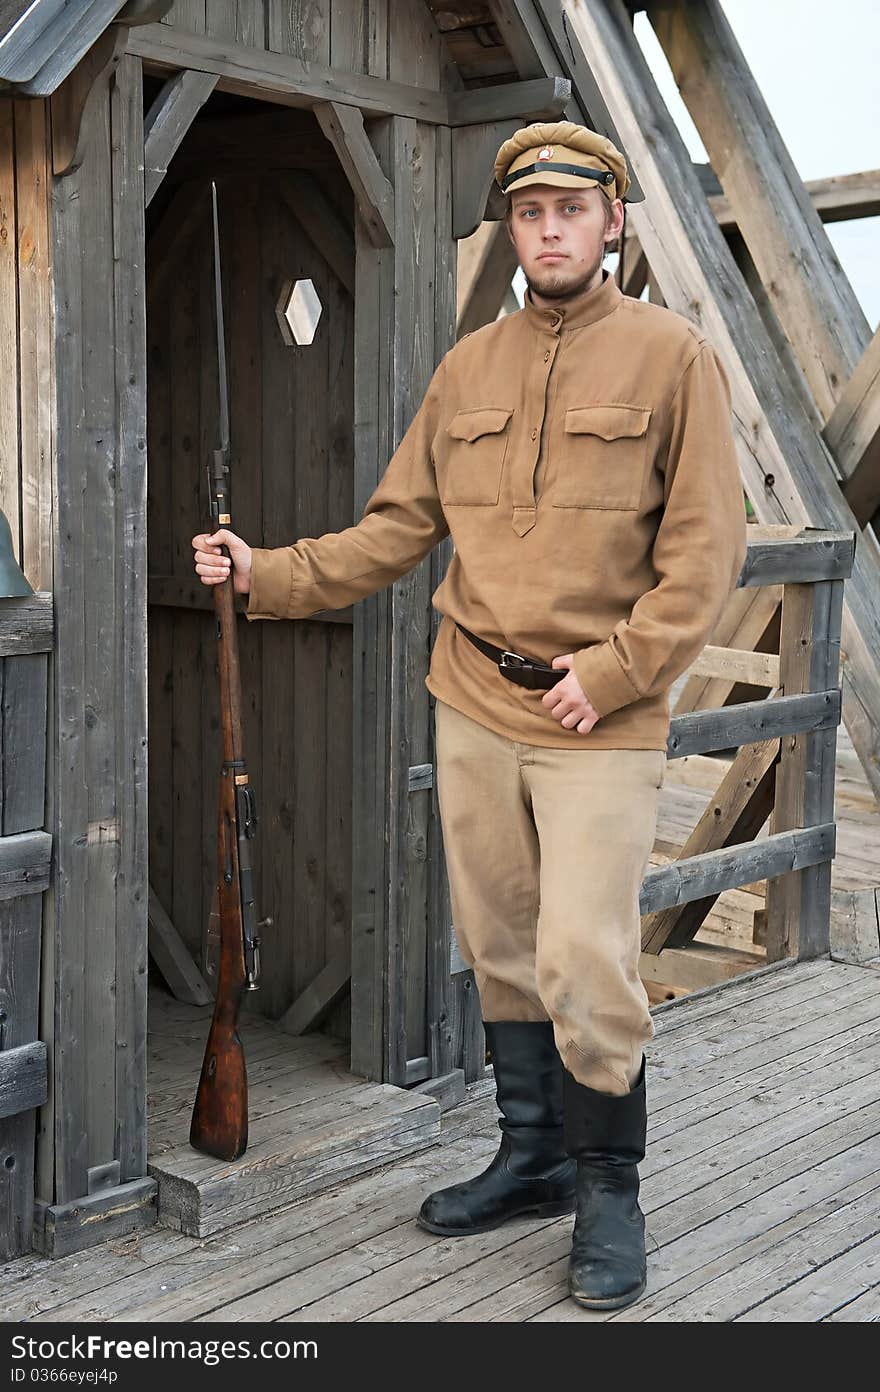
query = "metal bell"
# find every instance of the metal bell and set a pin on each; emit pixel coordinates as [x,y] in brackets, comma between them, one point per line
[13,584]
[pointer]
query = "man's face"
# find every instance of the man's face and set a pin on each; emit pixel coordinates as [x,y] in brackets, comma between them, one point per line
[560,236]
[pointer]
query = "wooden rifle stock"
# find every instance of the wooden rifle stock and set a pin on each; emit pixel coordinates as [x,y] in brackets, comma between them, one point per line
[220,1116]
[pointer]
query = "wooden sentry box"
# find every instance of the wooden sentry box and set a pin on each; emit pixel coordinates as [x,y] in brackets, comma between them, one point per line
[104,148]
[25,857]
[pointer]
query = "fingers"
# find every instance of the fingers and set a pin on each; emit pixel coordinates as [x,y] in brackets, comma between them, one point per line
[571,716]
[211,565]
[212,570]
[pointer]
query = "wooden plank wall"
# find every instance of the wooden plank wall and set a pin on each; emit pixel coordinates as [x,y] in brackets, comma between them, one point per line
[342,33]
[98,928]
[26,498]
[23,684]
[291,438]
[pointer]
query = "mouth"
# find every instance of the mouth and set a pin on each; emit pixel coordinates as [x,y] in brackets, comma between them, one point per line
[552,256]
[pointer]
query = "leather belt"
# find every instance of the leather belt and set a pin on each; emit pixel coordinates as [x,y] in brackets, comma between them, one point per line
[537,676]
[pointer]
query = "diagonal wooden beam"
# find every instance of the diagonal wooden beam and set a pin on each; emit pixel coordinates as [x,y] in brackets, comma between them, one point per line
[172,957]
[852,433]
[863,489]
[344,128]
[486,263]
[635,266]
[807,287]
[733,816]
[168,120]
[787,468]
[319,997]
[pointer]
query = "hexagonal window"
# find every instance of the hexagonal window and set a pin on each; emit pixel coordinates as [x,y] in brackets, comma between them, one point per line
[298,311]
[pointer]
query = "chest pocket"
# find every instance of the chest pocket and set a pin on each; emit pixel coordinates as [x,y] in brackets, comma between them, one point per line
[472,456]
[603,457]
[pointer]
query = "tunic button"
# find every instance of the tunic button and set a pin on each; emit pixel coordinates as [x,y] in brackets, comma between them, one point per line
[534,434]
[547,356]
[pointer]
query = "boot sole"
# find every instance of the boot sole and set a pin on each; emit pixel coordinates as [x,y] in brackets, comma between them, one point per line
[611,1302]
[554,1210]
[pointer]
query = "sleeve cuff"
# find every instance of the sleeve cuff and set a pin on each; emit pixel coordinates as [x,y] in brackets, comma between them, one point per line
[271,583]
[603,680]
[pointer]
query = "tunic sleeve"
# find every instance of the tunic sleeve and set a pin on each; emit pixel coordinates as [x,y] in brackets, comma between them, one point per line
[698,553]
[402,521]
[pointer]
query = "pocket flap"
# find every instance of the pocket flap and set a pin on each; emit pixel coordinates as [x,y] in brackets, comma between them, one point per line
[610,422]
[484,420]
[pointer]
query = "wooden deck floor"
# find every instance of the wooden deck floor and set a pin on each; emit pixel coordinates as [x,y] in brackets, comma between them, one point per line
[312,1122]
[761,1190]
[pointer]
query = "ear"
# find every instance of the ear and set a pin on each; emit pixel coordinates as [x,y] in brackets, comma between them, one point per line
[615,226]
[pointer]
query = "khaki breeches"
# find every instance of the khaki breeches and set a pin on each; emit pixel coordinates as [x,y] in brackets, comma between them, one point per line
[545,852]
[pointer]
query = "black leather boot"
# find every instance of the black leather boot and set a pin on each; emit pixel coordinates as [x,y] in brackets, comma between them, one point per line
[531,1172]
[606,1135]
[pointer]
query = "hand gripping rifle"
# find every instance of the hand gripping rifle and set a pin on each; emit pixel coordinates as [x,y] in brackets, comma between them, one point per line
[220,1116]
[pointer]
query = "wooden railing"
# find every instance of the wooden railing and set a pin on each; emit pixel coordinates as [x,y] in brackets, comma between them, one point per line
[784,766]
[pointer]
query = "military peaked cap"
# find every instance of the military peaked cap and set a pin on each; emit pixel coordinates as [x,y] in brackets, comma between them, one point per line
[562,154]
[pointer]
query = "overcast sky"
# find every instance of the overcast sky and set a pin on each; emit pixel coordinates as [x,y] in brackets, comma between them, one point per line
[817,68]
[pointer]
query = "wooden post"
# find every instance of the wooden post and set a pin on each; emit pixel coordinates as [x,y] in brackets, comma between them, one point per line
[97,928]
[799,904]
[443,1047]
[374,296]
[403,324]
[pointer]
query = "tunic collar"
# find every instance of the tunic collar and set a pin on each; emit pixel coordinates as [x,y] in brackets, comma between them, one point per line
[585,308]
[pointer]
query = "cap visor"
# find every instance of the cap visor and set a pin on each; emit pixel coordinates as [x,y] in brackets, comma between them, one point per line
[555,181]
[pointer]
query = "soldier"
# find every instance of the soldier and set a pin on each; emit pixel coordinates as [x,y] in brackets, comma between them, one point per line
[580,454]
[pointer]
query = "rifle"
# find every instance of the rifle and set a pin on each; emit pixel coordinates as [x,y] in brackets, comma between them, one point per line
[219,1124]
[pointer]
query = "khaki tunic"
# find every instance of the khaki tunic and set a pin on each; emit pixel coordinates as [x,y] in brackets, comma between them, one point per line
[583,462]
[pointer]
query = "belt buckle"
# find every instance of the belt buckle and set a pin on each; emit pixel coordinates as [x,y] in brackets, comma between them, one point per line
[517,662]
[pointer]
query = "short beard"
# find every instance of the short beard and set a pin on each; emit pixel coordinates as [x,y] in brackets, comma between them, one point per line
[553,290]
